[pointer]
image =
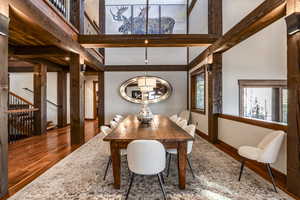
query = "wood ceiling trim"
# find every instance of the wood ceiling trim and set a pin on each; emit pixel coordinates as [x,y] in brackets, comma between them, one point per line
[265,14]
[34,17]
[155,40]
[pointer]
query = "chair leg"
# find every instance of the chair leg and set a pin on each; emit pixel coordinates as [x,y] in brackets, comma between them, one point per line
[130,184]
[168,171]
[107,166]
[162,178]
[272,176]
[242,168]
[161,185]
[188,160]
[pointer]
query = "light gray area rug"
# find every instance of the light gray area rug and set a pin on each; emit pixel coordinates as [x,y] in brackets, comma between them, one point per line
[79,176]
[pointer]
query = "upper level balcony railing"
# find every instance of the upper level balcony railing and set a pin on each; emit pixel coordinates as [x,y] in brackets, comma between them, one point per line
[62,6]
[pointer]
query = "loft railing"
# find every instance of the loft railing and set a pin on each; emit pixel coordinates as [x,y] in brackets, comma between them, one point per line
[61,6]
[20,117]
[20,124]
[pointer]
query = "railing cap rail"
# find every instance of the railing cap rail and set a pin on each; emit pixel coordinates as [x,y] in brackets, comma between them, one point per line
[23,110]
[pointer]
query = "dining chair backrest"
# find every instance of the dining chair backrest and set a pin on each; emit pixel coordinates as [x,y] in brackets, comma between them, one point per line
[185,115]
[113,124]
[146,157]
[270,146]
[119,116]
[106,130]
[182,123]
[173,118]
[191,129]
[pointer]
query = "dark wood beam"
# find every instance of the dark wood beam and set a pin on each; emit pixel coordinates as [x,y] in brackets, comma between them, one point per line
[20,69]
[215,26]
[146,68]
[37,51]
[77,14]
[3,97]
[76,101]
[61,99]
[155,40]
[265,14]
[101,99]
[40,98]
[192,5]
[102,15]
[36,20]
[293,77]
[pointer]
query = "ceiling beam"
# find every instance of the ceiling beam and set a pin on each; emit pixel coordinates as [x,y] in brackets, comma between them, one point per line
[154,40]
[37,51]
[33,16]
[192,5]
[146,68]
[265,14]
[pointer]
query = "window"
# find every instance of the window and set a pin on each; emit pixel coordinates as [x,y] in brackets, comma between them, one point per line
[264,99]
[198,90]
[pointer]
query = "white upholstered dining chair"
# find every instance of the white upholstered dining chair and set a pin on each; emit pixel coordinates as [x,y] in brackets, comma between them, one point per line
[265,152]
[146,157]
[185,115]
[113,124]
[174,118]
[191,130]
[182,123]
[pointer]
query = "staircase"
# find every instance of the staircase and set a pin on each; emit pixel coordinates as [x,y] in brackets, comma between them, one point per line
[21,118]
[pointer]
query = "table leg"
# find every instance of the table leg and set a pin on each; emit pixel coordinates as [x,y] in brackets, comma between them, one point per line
[116,164]
[181,158]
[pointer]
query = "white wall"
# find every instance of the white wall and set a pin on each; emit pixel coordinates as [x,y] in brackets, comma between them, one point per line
[115,104]
[238,134]
[18,81]
[136,56]
[262,56]
[89,96]
[198,24]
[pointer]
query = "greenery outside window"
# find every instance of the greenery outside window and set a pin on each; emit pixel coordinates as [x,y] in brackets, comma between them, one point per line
[198,86]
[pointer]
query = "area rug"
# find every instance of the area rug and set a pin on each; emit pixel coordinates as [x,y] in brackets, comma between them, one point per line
[79,176]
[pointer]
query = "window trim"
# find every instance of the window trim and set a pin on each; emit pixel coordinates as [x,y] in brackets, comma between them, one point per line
[200,71]
[274,84]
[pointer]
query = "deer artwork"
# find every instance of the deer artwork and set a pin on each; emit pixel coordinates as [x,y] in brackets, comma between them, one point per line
[137,25]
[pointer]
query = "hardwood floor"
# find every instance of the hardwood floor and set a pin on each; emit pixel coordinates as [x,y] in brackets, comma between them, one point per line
[31,157]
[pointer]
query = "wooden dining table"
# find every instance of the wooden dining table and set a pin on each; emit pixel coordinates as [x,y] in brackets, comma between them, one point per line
[161,129]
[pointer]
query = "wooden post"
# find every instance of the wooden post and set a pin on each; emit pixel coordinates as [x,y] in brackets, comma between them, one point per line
[101,111]
[40,98]
[77,14]
[215,71]
[4,20]
[76,100]
[102,22]
[293,79]
[62,99]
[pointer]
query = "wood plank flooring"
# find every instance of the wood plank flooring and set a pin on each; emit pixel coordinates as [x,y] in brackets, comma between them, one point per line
[31,157]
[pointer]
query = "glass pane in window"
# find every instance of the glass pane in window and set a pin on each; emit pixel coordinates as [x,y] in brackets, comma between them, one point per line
[200,91]
[258,103]
[284,105]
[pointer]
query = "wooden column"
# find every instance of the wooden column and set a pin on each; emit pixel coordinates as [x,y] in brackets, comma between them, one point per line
[3,97]
[293,78]
[101,111]
[77,14]
[215,70]
[76,100]
[62,99]
[102,15]
[40,98]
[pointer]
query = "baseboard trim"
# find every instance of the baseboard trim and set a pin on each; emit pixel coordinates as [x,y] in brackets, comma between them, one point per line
[258,168]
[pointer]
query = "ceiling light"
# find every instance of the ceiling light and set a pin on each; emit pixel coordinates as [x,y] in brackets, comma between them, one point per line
[146,41]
